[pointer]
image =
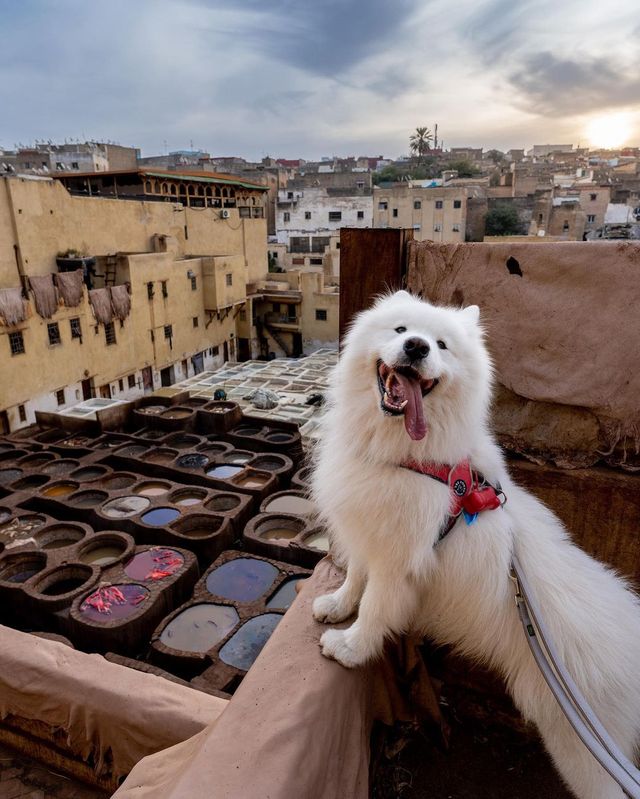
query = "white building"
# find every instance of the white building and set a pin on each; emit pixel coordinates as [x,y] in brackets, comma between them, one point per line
[306,218]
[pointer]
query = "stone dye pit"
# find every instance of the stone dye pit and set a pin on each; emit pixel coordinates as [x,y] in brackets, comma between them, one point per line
[178,539]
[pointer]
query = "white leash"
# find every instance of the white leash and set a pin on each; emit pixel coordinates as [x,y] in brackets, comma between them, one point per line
[571,700]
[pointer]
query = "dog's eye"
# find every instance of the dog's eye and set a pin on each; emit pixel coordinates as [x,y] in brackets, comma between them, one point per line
[401,329]
[441,344]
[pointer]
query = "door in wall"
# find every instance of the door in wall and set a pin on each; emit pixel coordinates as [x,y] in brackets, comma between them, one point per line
[198,363]
[226,351]
[105,391]
[244,351]
[147,379]
[88,389]
[166,376]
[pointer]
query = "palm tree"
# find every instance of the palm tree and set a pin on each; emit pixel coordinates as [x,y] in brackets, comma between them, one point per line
[420,142]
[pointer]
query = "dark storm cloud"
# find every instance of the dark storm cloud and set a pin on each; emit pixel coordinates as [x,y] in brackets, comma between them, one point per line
[562,86]
[326,38]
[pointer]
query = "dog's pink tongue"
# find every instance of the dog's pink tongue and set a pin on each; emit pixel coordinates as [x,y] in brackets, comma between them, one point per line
[414,421]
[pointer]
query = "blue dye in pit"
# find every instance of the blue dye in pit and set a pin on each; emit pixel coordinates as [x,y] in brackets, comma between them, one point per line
[285,595]
[158,517]
[222,472]
[244,647]
[242,579]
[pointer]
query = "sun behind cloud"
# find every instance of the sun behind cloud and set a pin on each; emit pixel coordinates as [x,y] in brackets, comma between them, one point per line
[609,130]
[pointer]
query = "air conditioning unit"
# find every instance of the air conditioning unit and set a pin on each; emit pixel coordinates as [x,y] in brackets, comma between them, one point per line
[224,214]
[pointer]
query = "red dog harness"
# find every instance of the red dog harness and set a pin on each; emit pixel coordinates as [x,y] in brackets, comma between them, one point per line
[471,493]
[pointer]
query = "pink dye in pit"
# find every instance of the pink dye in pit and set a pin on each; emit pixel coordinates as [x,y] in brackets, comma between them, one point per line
[154,564]
[112,602]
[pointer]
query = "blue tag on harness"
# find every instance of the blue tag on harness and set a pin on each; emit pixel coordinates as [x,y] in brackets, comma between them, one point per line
[469,518]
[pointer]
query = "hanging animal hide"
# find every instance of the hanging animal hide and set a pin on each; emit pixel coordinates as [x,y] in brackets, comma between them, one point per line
[13,308]
[100,300]
[70,287]
[45,295]
[120,301]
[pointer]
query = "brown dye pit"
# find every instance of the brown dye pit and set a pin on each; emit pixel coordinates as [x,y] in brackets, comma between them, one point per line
[58,536]
[152,488]
[36,461]
[161,455]
[183,441]
[290,503]
[62,466]
[279,534]
[268,464]
[31,481]
[123,507]
[102,556]
[223,502]
[87,499]
[197,526]
[152,409]
[188,497]
[133,451]
[65,586]
[9,475]
[88,473]
[117,481]
[59,490]
[252,481]
[176,413]
[200,627]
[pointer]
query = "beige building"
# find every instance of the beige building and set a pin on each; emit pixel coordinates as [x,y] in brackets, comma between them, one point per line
[167,259]
[438,213]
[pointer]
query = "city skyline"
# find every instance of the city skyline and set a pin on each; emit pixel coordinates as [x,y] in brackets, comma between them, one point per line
[300,80]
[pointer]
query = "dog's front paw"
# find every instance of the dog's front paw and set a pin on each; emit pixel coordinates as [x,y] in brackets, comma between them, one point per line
[328,609]
[335,645]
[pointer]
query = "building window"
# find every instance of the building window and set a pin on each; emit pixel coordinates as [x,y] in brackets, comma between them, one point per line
[591,217]
[150,290]
[360,184]
[245,212]
[110,333]
[168,331]
[307,214]
[16,342]
[565,226]
[315,261]
[195,321]
[456,228]
[76,330]
[438,203]
[165,293]
[593,197]
[60,397]
[457,203]
[335,216]
[540,218]
[289,195]
[131,381]
[395,212]
[194,283]
[75,165]
[22,414]
[383,205]
[121,384]
[417,205]
[243,315]
[215,351]
[360,214]
[437,228]
[287,216]
[54,333]
[58,165]
[321,315]
[229,279]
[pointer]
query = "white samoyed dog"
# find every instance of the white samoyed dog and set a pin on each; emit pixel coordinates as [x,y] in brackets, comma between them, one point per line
[408,405]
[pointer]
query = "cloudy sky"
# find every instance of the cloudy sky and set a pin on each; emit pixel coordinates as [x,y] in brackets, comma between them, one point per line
[311,78]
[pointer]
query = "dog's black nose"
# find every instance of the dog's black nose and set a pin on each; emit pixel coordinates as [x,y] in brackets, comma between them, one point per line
[416,348]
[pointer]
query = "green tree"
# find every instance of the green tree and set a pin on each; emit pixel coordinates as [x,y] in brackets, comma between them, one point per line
[502,220]
[420,142]
[464,168]
[497,156]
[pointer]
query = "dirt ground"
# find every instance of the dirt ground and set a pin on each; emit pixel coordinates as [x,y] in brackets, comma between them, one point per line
[489,756]
[23,778]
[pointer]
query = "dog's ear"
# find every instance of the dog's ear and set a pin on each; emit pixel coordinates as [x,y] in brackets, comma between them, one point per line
[402,293]
[471,313]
